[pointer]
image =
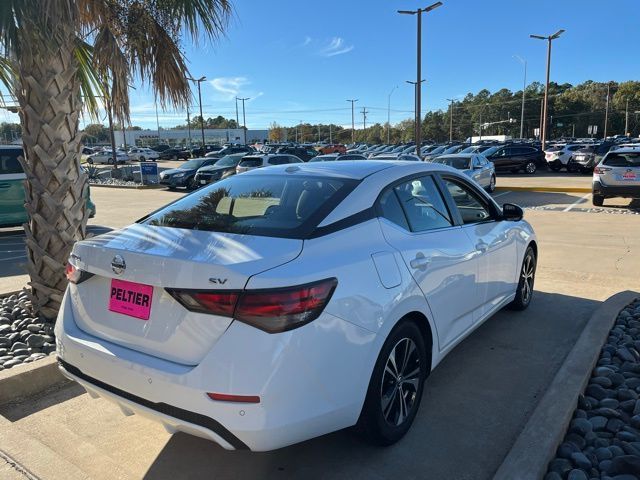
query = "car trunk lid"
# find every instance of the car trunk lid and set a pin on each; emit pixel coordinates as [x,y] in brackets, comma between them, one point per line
[155,258]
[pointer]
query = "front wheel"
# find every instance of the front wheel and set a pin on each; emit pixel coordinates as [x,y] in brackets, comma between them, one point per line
[598,200]
[524,292]
[396,385]
[530,168]
[554,167]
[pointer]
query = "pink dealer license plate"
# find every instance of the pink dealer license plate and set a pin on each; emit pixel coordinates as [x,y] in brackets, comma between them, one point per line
[128,298]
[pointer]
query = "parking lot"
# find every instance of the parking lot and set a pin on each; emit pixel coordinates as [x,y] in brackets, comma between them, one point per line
[474,405]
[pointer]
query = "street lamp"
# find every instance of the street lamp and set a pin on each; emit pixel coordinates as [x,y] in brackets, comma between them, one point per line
[244,118]
[524,86]
[419,13]
[389,114]
[549,39]
[353,121]
[199,81]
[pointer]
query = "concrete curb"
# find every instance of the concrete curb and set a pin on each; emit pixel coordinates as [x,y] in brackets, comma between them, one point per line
[545,189]
[127,187]
[30,379]
[537,443]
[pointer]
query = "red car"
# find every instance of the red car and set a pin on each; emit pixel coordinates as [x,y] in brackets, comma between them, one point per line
[336,148]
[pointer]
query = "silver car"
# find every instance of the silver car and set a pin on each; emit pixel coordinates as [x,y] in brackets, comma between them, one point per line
[474,165]
[617,175]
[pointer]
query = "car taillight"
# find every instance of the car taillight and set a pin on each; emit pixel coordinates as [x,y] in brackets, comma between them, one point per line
[599,170]
[75,275]
[272,310]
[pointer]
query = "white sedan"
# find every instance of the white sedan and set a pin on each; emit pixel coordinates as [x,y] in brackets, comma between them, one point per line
[292,301]
[142,154]
[106,156]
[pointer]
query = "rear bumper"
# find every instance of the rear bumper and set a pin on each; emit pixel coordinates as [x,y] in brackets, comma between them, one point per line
[555,163]
[631,191]
[311,381]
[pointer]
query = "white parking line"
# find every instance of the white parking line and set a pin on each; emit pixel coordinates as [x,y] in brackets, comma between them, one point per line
[500,194]
[12,258]
[577,202]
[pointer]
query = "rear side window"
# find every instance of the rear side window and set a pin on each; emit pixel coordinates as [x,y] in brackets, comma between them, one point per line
[630,159]
[472,208]
[422,205]
[250,162]
[266,205]
[9,161]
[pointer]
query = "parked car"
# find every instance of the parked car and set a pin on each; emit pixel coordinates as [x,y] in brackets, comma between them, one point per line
[396,156]
[12,197]
[251,162]
[222,168]
[558,157]
[474,166]
[106,157]
[333,148]
[329,157]
[200,152]
[142,154]
[230,150]
[586,158]
[267,309]
[617,175]
[175,153]
[352,156]
[303,153]
[516,157]
[184,175]
[161,147]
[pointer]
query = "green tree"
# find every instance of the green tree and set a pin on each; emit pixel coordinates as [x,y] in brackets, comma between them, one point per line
[58,55]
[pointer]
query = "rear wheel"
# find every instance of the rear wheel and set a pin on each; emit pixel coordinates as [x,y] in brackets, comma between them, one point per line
[598,200]
[530,168]
[492,184]
[141,159]
[396,385]
[555,167]
[524,292]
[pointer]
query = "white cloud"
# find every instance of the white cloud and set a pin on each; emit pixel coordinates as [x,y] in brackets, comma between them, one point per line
[336,46]
[307,41]
[229,87]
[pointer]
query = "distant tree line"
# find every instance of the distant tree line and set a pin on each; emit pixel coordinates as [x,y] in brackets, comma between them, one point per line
[572,109]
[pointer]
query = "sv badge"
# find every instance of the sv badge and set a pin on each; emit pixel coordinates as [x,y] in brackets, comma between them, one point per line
[218,281]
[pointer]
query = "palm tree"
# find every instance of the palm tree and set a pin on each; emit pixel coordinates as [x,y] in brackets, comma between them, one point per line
[58,57]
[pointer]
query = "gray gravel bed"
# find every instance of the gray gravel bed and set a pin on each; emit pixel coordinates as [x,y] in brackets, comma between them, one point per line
[24,338]
[603,438]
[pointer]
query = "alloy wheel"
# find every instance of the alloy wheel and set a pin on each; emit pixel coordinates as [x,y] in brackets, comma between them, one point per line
[528,271]
[530,167]
[400,382]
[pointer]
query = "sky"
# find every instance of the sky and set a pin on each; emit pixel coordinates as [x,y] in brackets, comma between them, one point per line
[299,61]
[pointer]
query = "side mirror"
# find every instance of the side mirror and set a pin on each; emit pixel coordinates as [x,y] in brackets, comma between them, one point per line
[512,212]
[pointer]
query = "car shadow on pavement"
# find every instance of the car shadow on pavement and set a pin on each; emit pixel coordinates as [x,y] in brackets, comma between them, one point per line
[542,199]
[474,405]
[16,411]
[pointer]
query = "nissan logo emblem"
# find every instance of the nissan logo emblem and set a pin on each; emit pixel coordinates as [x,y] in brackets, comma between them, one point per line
[117,264]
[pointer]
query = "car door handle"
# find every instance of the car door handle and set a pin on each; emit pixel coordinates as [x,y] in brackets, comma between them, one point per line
[420,262]
[482,247]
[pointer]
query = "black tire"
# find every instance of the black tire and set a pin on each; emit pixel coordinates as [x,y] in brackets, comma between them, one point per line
[524,292]
[597,200]
[191,184]
[530,168]
[90,161]
[376,424]
[141,159]
[554,167]
[492,184]
[110,161]
[174,158]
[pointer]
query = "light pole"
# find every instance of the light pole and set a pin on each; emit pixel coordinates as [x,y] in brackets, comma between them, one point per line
[419,13]
[157,119]
[450,119]
[389,114]
[415,104]
[244,118]
[549,39]
[353,121]
[606,112]
[189,125]
[524,86]
[626,118]
[199,81]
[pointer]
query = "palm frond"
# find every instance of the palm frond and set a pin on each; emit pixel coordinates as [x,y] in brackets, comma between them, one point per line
[90,86]
[197,16]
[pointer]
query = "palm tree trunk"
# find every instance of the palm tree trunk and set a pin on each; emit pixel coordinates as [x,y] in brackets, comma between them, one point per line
[55,188]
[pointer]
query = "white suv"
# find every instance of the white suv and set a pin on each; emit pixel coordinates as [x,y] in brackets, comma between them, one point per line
[558,157]
[617,175]
[258,161]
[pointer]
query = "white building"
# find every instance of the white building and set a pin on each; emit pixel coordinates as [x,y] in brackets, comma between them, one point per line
[185,138]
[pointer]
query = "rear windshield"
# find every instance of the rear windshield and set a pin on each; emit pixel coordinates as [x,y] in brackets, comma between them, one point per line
[288,206]
[9,161]
[251,162]
[629,159]
[461,163]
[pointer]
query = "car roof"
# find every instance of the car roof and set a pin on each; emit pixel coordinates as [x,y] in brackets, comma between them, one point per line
[354,169]
[459,155]
[626,149]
